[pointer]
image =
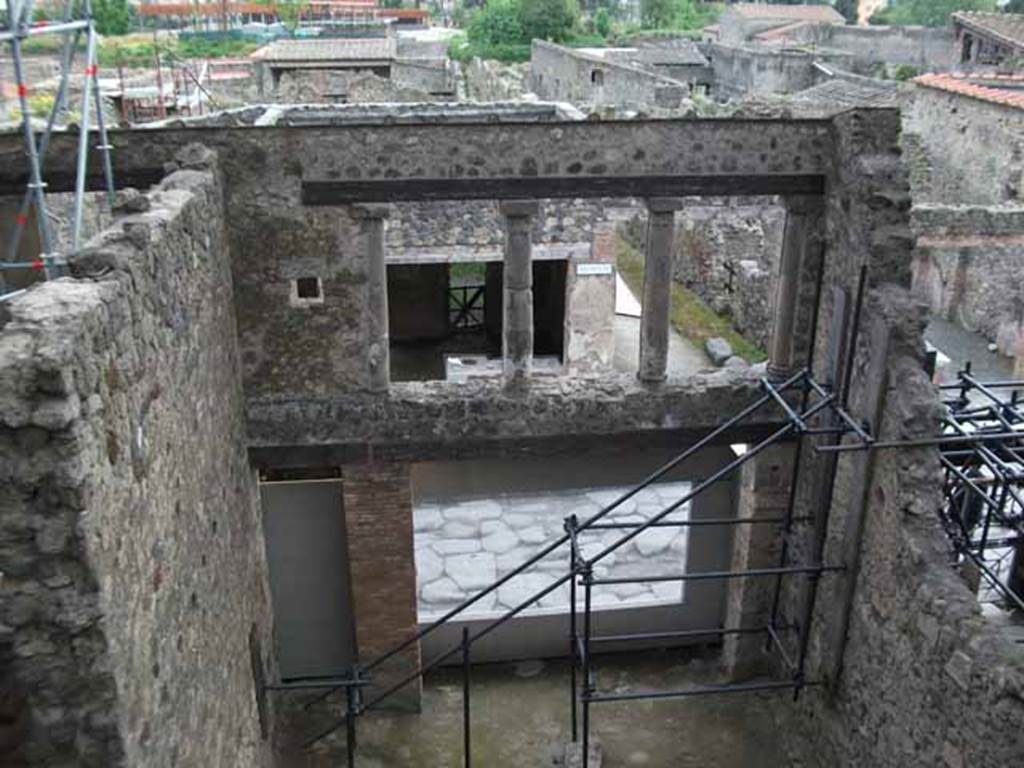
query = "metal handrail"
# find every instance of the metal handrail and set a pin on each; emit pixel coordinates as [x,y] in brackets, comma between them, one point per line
[794,424]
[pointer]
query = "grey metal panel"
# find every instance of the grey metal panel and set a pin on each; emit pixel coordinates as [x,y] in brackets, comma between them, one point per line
[307,553]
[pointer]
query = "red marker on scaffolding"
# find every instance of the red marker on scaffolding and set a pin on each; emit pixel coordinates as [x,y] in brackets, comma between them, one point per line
[38,265]
[21,219]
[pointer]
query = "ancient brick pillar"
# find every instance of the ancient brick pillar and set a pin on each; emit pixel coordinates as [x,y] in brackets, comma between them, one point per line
[802,252]
[517,333]
[657,298]
[378,342]
[378,523]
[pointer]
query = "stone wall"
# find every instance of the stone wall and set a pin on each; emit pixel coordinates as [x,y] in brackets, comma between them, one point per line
[968,269]
[318,351]
[305,86]
[916,677]
[926,48]
[473,230]
[439,419]
[714,234]
[132,552]
[562,74]
[974,149]
[740,70]
[487,80]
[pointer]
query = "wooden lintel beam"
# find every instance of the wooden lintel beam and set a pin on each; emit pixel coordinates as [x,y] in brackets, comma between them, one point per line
[336,192]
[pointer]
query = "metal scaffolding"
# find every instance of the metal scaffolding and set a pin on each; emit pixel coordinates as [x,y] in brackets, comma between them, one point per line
[983,493]
[816,413]
[76,21]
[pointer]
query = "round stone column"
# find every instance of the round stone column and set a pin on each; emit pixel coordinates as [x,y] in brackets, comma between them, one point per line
[657,293]
[517,330]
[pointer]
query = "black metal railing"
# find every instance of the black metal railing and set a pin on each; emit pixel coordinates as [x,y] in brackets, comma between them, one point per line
[466,306]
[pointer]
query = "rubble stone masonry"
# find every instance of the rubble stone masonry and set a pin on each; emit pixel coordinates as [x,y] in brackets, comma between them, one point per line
[130,541]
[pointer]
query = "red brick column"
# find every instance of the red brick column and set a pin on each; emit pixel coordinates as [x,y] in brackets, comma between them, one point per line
[378,522]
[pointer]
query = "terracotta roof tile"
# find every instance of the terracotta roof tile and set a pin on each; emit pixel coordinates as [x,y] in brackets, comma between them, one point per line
[963,86]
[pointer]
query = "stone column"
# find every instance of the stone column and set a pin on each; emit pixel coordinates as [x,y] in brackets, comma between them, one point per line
[657,298]
[801,256]
[517,331]
[378,344]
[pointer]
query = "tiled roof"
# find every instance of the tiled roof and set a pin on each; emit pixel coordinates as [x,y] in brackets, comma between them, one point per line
[763,11]
[843,94]
[1007,28]
[781,34]
[962,85]
[328,49]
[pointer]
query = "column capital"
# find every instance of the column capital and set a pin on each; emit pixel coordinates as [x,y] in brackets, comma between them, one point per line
[519,208]
[663,204]
[371,211]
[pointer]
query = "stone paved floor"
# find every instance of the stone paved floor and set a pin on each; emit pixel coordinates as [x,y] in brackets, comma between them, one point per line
[522,722]
[464,545]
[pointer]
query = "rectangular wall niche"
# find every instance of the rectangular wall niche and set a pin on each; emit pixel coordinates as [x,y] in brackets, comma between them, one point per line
[445,320]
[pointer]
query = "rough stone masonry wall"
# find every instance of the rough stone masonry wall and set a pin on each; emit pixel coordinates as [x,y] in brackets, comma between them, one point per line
[924,680]
[742,70]
[321,351]
[562,74]
[744,233]
[974,149]
[968,269]
[131,546]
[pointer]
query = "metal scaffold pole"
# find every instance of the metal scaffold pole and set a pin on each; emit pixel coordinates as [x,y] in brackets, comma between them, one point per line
[37,143]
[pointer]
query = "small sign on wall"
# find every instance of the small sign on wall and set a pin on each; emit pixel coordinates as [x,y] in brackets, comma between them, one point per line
[594,269]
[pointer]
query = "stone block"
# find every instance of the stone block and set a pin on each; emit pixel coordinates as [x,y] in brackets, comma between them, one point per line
[718,349]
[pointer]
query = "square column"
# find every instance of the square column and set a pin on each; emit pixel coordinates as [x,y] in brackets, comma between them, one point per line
[765,484]
[382,573]
[802,252]
[657,298]
[517,329]
[372,219]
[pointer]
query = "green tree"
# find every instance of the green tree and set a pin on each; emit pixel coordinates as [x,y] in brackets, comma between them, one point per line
[657,14]
[549,19]
[602,22]
[113,17]
[673,14]
[1014,6]
[928,13]
[497,23]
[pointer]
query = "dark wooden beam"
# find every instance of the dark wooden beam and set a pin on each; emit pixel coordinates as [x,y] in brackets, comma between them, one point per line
[331,192]
[336,454]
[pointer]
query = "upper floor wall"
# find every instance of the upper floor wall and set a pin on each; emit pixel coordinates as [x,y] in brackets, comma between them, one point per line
[287,203]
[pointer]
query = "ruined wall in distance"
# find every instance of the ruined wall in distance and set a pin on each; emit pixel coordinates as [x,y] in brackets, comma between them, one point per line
[974,149]
[740,70]
[968,269]
[562,74]
[132,549]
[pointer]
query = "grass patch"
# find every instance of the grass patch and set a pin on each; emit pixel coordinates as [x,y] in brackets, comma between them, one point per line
[691,317]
